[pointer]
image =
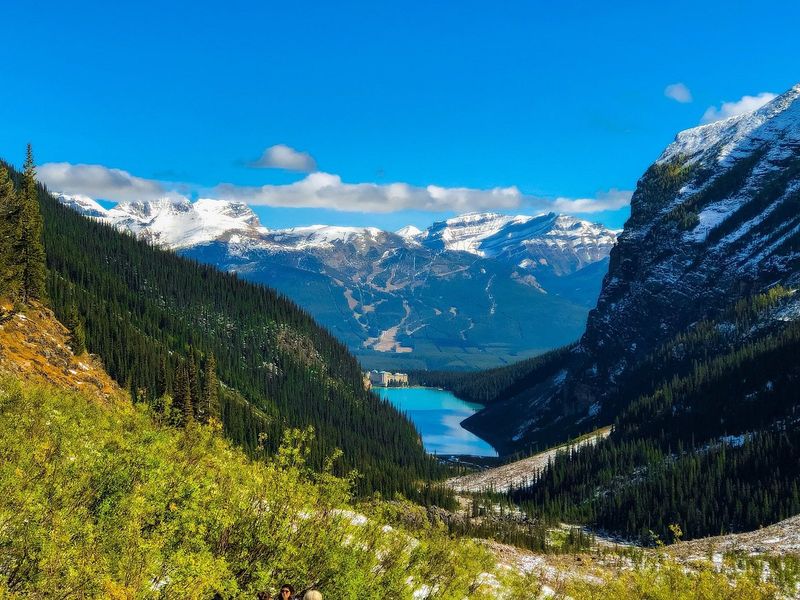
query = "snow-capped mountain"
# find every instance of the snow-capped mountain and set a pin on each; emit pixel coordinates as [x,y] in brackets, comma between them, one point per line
[559,242]
[715,220]
[408,232]
[452,290]
[323,237]
[178,223]
[84,205]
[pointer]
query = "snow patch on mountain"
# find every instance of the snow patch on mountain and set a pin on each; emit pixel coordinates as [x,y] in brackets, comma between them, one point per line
[321,236]
[466,232]
[409,232]
[82,204]
[738,136]
[560,242]
[178,223]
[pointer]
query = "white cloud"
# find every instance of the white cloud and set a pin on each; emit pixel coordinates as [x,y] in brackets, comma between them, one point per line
[285,157]
[611,200]
[102,182]
[322,190]
[678,92]
[731,109]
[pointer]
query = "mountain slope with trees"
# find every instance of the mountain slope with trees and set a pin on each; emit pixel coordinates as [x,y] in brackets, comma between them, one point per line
[165,327]
[714,221]
[693,351]
[476,290]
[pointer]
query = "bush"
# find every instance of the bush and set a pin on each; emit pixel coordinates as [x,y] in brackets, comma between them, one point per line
[101,502]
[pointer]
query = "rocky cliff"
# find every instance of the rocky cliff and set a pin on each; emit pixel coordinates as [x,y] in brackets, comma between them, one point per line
[714,220]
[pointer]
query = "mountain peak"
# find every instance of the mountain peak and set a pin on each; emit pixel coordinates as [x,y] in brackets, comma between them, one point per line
[82,204]
[409,232]
[741,134]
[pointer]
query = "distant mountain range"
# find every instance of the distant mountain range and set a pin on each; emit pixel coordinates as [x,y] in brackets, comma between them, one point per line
[477,290]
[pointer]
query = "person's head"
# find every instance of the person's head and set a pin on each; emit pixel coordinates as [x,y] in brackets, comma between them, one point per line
[287,591]
[312,595]
[263,596]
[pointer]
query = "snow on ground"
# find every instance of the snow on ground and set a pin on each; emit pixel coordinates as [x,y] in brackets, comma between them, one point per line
[780,539]
[740,135]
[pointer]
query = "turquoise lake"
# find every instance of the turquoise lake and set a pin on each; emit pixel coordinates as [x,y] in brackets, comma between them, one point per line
[438,415]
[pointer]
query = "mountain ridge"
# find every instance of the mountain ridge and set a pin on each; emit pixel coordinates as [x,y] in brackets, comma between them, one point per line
[451,296]
[675,266]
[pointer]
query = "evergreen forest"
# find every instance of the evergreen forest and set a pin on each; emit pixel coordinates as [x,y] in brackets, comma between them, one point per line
[196,343]
[707,440]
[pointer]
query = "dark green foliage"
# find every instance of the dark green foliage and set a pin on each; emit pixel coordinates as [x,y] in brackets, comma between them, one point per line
[712,444]
[493,517]
[493,385]
[686,218]
[184,412]
[29,248]
[22,256]
[726,184]
[162,380]
[637,487]
[658,186]
[193,370]
[77,331]
[9,215]
[152,317]
[209,407]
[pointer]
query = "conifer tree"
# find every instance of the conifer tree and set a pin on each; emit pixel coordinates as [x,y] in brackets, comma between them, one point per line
[77,333]
[9,216]
[184,413]
[210,402]
[162,385]
[195,391]
[29,249]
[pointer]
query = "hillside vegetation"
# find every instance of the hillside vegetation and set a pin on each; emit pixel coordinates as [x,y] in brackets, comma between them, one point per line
[157,321]
[100,501]
[707,439]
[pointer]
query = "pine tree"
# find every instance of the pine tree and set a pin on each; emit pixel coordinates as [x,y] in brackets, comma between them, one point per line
[77,333]
[184,412]
[210,402]
[9,231]
[162,384]
[195,391]
[30,247]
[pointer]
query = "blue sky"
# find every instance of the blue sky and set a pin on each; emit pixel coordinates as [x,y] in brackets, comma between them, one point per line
[551,99]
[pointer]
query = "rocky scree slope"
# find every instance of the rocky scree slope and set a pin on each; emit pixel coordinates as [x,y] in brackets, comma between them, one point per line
[714,220]
[35,347]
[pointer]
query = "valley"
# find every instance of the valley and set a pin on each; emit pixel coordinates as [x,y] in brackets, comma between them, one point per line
[475,291]
[400,301]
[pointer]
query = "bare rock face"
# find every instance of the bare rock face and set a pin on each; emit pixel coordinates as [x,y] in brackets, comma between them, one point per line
[715,219]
